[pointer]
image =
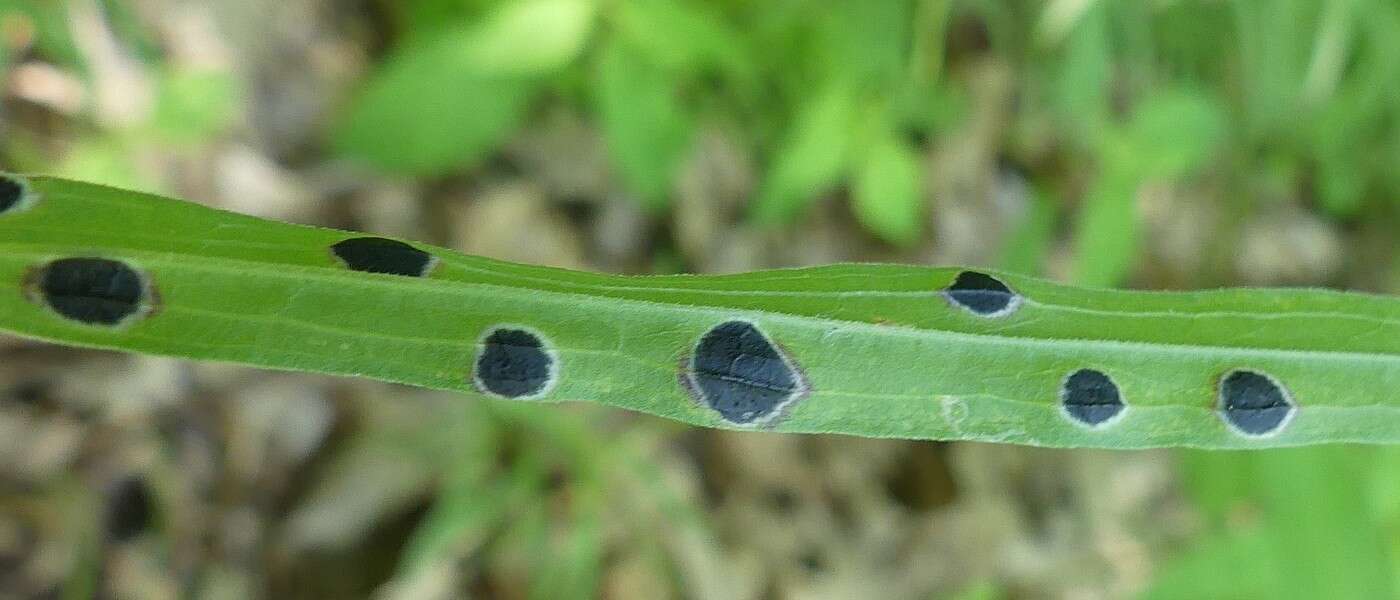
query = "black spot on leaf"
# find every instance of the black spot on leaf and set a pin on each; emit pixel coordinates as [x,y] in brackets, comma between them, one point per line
[95,291]
[982,294]
[380,255]
[128,509]
[1090,397]
[12,192]
[739,373]
[513,363]
[1254,403]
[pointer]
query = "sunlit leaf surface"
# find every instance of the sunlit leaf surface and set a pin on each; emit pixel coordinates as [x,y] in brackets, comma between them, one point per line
[870,350]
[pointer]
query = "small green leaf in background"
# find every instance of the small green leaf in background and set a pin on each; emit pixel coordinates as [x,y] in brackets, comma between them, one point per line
[680,35]
[429,109]
[888,191]
[413,17]
[1170,135]
[1106,232]
[813,157]
[646,129]
[193,105]
[1385,505]
[927,48]
[469,503]
[1084,76]
[107,159]
[870,40]
[52,36]
[442,101]
[1339,184]
[1274,41]
[1289,523]
[1033,237]
[982,590]
[1239,567]
[1342,132]
[533,37]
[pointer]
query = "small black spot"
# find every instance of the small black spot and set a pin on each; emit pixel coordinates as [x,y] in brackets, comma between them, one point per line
[128,509]
[1090,397]
[982,294]
[380,255]
[96,291]
[11,193]
[1253,403]
[513,363]
[739,373]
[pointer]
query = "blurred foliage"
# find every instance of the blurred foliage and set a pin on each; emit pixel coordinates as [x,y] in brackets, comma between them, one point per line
[449,96]
[1169,136]
[1299,523]
[828,93]
[846,96]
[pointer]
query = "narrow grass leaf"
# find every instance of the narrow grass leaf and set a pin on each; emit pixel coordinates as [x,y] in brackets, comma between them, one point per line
[646,128]
[1172,133]
[1083,80]
[1105,237]
[532,37]
[862,349]
[682,36]
[812,159]
[888,191]
[1033,237]
[1169,135]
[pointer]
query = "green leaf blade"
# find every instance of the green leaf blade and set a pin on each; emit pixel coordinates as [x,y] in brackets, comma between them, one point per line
[884,352]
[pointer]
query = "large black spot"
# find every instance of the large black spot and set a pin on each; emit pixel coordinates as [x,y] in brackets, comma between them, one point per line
[982,294]
[740,374]
[11,193]
[380,255]
[513,363]
[95,291]
[1254,403]
[1090,397]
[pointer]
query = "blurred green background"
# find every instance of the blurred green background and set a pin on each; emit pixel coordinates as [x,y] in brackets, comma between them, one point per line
[1173,144]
